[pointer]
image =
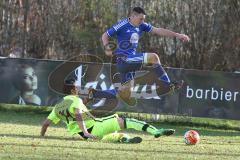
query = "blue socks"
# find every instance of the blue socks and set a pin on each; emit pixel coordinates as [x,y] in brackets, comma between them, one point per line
[161,73]
[105,94]
[112,93]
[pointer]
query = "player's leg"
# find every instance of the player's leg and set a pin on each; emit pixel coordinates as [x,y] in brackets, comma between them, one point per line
[110,94]
[131,123]
[124,92]
[114,137]
[126,65]
[120,138]
[125,88]
[106,129]
[153,59]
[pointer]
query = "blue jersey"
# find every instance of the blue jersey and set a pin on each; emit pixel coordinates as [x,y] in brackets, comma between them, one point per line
[128,35]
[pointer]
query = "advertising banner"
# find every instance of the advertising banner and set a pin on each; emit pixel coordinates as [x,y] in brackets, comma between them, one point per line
[210,94]
[40,83]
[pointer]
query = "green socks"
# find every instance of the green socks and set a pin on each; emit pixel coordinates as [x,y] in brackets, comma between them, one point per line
[131,123]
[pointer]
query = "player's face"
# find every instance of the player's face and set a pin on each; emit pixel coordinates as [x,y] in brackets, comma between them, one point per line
[75,91]
[29,79]
[139,19]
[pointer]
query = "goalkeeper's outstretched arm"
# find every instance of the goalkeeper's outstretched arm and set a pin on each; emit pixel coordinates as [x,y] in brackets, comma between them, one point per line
[45,125]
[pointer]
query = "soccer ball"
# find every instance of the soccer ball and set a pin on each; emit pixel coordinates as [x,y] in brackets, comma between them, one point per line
[191,137]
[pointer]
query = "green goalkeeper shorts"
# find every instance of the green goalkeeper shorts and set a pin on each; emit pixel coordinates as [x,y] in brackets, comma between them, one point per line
[105,125]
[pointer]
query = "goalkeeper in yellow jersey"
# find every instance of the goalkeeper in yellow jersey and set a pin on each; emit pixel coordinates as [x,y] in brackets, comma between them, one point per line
[79,120]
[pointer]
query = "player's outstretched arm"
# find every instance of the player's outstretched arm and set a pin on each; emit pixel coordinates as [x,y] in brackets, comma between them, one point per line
[168,33]
[45,125]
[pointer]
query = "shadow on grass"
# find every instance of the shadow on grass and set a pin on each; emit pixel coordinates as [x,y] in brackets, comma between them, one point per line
[33,119]
[180,131]
[40,137]
[110,149]
[203,131]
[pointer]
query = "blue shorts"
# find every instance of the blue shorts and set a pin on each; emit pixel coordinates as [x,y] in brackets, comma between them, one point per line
[128,64]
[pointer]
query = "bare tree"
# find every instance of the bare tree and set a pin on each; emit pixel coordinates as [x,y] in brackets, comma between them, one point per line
[62,29]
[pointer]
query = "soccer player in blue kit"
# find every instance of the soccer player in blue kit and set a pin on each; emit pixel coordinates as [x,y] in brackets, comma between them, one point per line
[127,32]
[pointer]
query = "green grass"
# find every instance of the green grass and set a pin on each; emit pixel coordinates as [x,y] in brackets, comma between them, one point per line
[19,139]
[169,119]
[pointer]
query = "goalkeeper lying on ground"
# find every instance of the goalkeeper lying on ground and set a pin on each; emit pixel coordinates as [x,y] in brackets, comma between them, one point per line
[79,120]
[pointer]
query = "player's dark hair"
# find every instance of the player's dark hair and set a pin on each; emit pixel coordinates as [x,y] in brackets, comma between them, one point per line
[139,10]
[68,86]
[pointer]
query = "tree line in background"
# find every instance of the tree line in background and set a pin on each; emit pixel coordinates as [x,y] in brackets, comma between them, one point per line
[61,29]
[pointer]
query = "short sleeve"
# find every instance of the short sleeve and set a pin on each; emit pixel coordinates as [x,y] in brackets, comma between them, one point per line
[53,117]
[111,32]
[146,27]
[78,104]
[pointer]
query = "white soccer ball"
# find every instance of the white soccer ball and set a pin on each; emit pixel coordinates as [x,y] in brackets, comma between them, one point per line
[191,137]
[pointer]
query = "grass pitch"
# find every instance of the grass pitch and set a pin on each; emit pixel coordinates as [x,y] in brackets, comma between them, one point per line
[19,139]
